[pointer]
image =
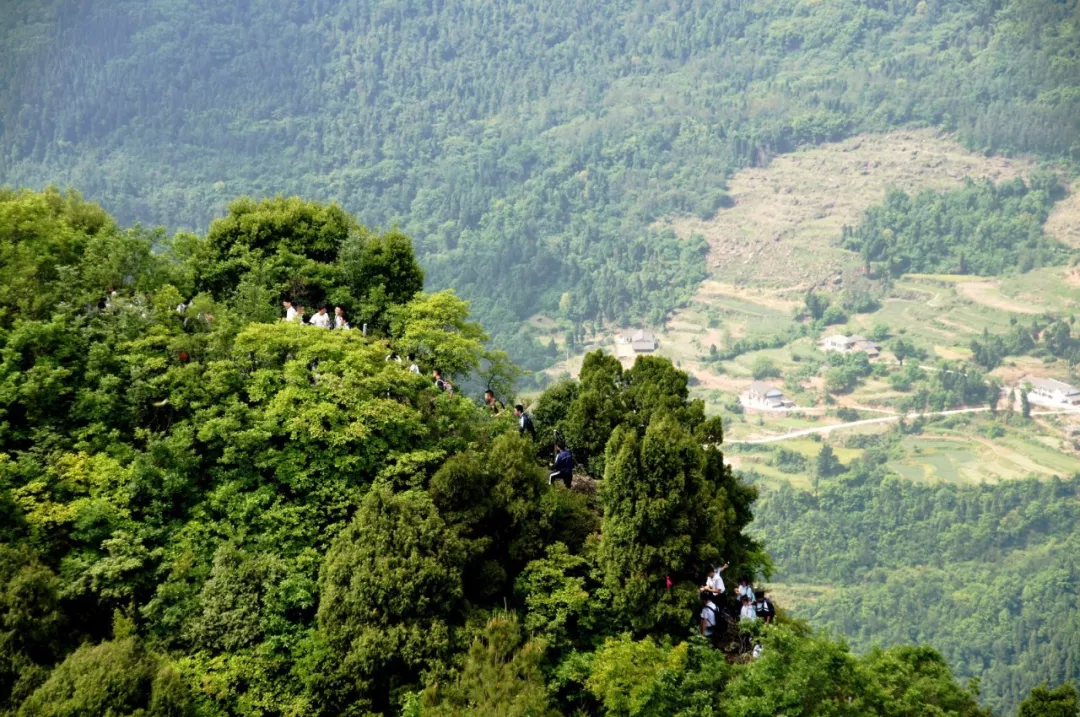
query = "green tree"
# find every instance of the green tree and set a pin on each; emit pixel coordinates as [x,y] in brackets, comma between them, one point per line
[827,464]
[664,515]
[798,675]
[117,677]
[643,677]
[1061,701]
[902,348]
[436,328]
[295,241]
[559,605]
[596,410]
[501,676]
[816,304]
[390,592]
[378,272]
[763,367]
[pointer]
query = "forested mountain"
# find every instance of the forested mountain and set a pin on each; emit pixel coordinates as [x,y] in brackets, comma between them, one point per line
[987,574]
[526,146]
[207,511]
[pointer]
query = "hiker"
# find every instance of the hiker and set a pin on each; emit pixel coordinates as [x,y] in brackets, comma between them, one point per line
[563,466]
[340,322]
[748,612]
[413,368]
[714,583]
[298,314]
[709,618]
[394,357]
[525,424]
[491,402]
[764,608]
[290,312]
[440,383]
[744,590]
[321,318]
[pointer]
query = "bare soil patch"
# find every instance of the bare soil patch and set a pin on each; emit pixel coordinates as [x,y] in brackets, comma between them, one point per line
[1064,222]
[787,218]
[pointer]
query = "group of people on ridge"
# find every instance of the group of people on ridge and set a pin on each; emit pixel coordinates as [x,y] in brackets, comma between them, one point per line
[322,319]
[563,465]
[751,607]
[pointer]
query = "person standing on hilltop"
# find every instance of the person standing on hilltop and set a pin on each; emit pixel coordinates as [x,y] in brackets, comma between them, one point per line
[764,608]
[714,583]
[525,423]
[321,318]
[441,383]
[563,468]
[709,618]
[340,322]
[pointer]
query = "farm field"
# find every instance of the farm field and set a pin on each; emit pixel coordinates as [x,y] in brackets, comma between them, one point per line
[955,449]
[780,239]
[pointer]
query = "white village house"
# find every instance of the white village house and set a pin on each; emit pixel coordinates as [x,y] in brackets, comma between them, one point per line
[642,341]
[1050,391]
[846,344]
[762,395]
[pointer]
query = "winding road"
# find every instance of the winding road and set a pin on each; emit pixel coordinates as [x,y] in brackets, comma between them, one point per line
[822,430]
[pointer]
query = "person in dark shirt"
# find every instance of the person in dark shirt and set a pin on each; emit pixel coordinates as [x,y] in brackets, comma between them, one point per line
[441,383]
[563,466]
[525,424]
[765,609]
[491,402]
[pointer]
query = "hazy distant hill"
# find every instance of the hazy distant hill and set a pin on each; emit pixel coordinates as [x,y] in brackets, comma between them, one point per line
[527,146]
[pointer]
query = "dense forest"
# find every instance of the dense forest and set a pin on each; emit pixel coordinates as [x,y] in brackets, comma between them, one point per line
[210,511]
[987,574]
[983,229]
[526,148]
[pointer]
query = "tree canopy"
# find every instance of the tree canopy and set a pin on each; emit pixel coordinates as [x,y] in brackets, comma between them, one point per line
[210,514]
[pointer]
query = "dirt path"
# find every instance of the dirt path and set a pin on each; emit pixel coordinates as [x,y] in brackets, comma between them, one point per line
[824,430]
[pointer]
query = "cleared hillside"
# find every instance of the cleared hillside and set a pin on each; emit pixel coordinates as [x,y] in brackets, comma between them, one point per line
[784,227]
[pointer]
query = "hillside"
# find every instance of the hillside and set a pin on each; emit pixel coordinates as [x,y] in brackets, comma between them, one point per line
[211,511]
[783,237]
[852,229]
[527,149]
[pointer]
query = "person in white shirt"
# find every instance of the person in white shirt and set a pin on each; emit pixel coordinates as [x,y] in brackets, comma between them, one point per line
[744,590]
[340,321]
[290,312]
[709,616]
[321,318]
[298,315]
[413,368]
[714,583]
[748,612]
